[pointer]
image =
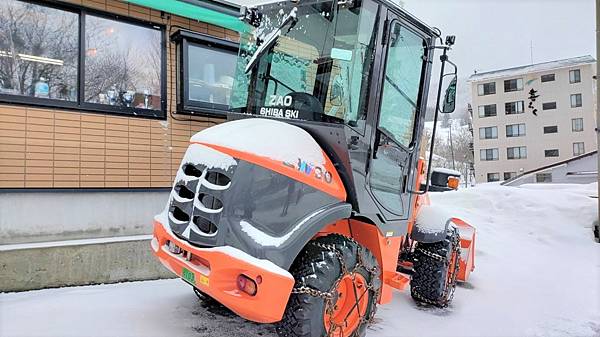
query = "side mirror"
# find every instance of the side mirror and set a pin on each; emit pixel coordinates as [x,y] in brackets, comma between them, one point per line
[450,97]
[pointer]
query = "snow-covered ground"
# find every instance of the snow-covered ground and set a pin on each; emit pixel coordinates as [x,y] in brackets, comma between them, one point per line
[537,274]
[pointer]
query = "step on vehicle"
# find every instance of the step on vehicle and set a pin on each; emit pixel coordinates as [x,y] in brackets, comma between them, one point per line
[309,206]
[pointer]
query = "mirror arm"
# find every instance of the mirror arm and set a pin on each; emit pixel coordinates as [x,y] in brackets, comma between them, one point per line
[444,59]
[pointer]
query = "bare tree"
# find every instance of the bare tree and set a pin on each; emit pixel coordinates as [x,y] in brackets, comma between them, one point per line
[37,42]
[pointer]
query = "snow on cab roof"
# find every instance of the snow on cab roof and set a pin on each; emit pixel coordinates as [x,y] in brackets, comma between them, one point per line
[533,68]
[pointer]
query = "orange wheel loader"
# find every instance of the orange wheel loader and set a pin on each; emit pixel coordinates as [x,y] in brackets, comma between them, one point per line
[309,206]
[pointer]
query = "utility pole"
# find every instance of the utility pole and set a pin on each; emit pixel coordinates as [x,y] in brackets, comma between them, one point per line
[598,100]
[452,146]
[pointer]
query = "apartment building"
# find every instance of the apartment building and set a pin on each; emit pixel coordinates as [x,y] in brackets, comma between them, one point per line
[532,116]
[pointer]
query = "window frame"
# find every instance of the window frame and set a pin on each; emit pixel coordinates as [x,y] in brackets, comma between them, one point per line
[576,145]
[509,175]
[185,39]
[481,109]
[518,134]
[550,153]
[547,131]
[549,106]
[575,79]
[516,111]
[492,180]
[492,157]
[482,86]
[553,76]
[521,149]
[575,97]
[491,128]
[517,88]
[80,104]
[545,175]
[573,120]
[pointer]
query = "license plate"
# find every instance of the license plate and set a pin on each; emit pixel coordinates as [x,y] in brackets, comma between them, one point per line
[188,276]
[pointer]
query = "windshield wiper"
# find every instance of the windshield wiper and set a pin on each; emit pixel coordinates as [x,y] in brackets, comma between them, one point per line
[269,41]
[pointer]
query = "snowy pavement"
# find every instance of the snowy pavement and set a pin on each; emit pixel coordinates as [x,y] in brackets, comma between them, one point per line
[537,274]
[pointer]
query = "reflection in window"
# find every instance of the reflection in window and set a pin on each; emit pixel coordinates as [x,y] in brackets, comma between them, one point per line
[38,51]
[210,74]
[401,84]
[122,64]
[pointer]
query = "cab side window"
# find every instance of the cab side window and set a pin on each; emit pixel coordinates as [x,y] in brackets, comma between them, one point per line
[401,84]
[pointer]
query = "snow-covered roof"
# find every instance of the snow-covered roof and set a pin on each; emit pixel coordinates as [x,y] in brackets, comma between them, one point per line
[546,167]
[533,68]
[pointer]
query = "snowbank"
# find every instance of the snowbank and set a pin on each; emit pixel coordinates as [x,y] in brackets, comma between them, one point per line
[537,274]
[537,267]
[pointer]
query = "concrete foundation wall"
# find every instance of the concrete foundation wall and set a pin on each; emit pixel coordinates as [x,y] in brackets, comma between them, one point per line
[51,216]
[23,267]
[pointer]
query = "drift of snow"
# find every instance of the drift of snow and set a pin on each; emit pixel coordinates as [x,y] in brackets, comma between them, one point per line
[230,251]
[432,219]
[267,240]
[267,138]
[197,153]
[448,171]
[537,274]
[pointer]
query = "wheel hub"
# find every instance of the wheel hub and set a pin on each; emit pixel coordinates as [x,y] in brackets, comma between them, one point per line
[345,312]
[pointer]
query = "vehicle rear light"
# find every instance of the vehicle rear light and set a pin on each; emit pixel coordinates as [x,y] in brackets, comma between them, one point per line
[246,285]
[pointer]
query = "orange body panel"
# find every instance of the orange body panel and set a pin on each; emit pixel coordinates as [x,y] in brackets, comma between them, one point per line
[467,249]
[384,249]
[315,176]
[216,274]
[420,199]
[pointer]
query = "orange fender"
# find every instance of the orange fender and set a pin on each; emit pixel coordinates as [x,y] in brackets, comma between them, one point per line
[467,248]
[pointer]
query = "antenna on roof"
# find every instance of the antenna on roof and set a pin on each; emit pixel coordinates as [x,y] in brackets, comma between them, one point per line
[531,50]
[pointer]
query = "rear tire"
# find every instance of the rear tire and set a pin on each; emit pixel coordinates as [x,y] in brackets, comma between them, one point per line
[319,268]
[435,268]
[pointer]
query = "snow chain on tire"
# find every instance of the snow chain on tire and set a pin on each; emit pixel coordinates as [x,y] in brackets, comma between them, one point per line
[330,295]
[450,283]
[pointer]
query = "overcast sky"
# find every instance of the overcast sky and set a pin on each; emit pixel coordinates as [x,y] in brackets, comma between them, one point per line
[496,34]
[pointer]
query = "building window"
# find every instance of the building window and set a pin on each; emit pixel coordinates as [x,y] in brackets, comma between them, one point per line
[488,132]
[575,76]
[42,55]
[488,154]
[576,100]
[551,129]
[122,64]
[577,124]
[515,130]
[513,108]
[207,66]
[38,52]
[491,177]
[519,152]
[487,110]
[578,148]
[513,85]
[549,106]
[551,153]
[548,78]
[543,178]
[509,175]
[486,89]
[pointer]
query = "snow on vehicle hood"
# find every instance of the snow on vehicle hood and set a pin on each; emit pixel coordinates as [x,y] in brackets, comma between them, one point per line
[432,219]
[268,138]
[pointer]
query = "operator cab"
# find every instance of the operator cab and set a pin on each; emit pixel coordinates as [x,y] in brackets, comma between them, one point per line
[355,75]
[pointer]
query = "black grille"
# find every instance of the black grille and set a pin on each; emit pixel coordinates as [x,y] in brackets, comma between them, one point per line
[196,201]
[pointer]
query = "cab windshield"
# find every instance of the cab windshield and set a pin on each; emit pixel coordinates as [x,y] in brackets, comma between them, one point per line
[318,67]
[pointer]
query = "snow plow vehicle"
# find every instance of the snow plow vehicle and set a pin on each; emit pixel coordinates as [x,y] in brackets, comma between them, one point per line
[309,206]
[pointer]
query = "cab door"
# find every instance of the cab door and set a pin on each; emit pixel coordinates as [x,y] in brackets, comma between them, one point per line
[396,140]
